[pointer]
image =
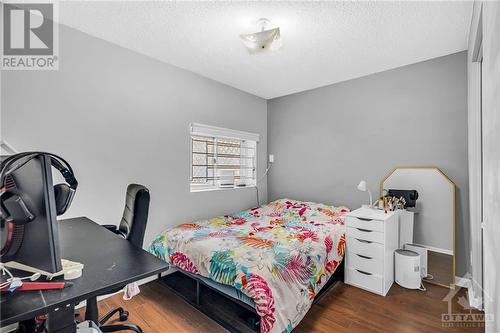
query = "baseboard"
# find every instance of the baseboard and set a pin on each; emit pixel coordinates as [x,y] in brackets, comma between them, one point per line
[436,249]
[474,302]
[462,282]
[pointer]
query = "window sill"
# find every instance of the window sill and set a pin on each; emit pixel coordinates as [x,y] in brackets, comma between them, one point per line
[210,189]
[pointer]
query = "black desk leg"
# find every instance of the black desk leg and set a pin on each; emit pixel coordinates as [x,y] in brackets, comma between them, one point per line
[27,326]
[91,310]
[61,320]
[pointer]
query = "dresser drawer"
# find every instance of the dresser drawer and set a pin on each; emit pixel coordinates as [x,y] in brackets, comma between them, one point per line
[366,248]
[367,224]
[370,235]
[364,263]
[364,280]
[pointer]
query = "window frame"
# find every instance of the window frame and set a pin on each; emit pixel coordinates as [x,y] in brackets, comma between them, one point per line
[217,133]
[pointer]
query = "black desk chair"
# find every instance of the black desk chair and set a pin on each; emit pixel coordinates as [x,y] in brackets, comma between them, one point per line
[132,227]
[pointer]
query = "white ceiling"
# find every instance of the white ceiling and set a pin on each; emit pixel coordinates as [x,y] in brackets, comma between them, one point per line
[323,42]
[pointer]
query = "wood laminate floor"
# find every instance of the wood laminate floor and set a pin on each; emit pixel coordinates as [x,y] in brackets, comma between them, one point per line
[343,309]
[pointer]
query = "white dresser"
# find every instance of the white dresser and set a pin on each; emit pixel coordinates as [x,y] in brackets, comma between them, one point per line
[371,239]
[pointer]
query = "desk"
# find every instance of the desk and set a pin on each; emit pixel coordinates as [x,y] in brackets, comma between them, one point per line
[109,262]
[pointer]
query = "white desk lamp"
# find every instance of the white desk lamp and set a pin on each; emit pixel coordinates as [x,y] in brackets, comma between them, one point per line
[362,187]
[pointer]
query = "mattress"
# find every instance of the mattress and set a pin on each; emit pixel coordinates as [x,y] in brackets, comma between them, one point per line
[277,256]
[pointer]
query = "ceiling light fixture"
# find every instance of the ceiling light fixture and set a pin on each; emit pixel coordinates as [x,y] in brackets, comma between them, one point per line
[262,40]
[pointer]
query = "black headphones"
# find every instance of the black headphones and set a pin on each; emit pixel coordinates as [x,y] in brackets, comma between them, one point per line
[15,206]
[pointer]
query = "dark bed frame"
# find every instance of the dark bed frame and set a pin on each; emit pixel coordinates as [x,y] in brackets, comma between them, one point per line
[231,313]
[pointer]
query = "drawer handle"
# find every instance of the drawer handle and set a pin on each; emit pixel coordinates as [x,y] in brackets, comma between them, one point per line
[364,219]
[364,230]
[363,241]
[364,257]
[363,272]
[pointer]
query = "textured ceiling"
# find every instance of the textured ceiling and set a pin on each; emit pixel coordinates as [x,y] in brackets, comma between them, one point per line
[323,42]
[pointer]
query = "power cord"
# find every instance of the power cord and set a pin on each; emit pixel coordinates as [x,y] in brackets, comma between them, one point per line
[5,271]
[15,282]
[427,278]
[259,180]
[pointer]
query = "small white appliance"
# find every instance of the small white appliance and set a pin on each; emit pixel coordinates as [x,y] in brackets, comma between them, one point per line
[226,178]
[423,258]
[407,267]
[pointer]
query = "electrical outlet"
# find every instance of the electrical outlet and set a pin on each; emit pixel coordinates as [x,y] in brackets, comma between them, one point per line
[271,158]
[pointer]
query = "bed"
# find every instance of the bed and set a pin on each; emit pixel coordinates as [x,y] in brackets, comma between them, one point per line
[275,258]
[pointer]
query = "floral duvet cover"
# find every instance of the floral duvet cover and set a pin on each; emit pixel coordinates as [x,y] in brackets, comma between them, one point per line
[279,254]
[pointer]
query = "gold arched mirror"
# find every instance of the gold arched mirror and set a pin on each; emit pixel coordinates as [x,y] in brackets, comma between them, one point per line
[433,218]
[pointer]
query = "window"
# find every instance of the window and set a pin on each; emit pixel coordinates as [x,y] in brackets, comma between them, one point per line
[222,158]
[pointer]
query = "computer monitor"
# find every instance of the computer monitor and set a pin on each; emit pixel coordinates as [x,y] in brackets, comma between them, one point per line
[39,247]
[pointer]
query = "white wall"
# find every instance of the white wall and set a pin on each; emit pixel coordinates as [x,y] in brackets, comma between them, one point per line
[475,156]
[120,117]
[491,160]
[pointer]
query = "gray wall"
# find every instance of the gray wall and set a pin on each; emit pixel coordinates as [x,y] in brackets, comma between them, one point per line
[121,117]
[326,140]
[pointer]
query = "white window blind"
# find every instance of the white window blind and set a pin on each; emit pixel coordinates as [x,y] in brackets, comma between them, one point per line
[222,158]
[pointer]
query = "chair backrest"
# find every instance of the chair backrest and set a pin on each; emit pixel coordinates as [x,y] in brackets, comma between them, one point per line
[135,214]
